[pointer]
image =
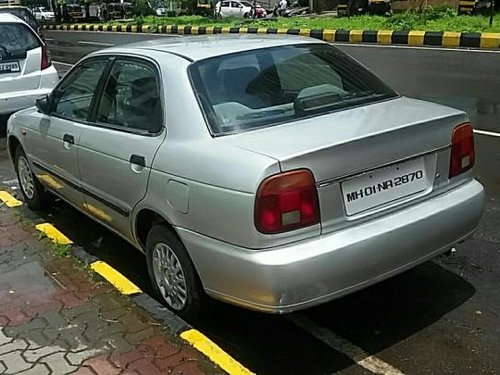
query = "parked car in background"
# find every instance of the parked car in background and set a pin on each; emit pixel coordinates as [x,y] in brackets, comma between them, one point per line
[75,13]
[296,176]
[43,15]
[26,72]
[24,14]
[238,9]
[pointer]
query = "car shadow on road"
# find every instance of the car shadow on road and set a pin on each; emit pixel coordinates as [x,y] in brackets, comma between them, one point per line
[374,319]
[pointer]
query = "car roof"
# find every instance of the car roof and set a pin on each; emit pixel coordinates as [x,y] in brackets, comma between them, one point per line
[10,18]
[206,46]
[15,7]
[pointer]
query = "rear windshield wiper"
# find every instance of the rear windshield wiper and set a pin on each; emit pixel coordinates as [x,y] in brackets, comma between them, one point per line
[260,114]
[335,101]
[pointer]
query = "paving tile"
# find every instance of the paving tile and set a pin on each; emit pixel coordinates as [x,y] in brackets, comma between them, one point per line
[58,364]
[15,362]
[38,369]
[55,320]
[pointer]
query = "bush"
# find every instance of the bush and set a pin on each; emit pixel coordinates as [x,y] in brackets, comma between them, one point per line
[141,8]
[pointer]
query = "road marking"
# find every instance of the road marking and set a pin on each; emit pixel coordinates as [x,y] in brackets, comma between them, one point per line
[120,282]
[9,200]
[462,49]
[485,132]
[214,352]
[96,43]
[49,39]
[53,233]
[358,355]
[62,63]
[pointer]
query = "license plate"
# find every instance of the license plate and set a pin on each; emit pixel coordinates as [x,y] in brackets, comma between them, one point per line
[384,185]
[9,67]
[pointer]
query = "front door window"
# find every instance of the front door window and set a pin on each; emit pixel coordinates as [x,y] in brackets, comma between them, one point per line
[73,97]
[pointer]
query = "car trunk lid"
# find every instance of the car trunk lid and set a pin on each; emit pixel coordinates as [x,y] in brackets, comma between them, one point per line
[372,147]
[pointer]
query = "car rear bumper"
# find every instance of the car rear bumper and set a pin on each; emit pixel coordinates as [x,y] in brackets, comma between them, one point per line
[314,271]
[14,101]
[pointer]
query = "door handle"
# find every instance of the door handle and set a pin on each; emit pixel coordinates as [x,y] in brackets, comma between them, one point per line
[69,139]
[138,160]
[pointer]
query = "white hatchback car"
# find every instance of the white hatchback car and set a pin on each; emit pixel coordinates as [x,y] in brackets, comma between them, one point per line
[239,9]
[43,15]
[26,72]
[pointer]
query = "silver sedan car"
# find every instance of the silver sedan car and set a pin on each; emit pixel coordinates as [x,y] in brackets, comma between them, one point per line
[272,173]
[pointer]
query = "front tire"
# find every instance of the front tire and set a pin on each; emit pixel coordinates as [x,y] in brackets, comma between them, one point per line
[33,192]
[172,274]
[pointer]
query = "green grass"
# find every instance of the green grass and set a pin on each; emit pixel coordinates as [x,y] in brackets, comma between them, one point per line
[61,250]
[433,20]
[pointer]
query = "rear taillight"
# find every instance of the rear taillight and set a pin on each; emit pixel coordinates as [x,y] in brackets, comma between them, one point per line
[286,201]
[462,150]
[45,58]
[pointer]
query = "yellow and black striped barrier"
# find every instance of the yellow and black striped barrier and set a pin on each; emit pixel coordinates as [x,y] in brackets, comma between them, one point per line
[410,38]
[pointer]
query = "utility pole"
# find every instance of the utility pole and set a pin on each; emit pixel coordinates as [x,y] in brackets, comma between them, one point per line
[492,11]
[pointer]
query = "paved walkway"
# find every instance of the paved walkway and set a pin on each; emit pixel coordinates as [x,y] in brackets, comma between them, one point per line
[56,319]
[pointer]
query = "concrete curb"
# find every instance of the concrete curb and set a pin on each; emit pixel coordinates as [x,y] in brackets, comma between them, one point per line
[385,37]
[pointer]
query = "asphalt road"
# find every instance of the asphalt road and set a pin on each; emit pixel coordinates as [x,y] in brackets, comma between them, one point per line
[439,318]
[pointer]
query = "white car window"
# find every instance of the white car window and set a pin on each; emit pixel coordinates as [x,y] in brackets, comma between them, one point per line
[15,37]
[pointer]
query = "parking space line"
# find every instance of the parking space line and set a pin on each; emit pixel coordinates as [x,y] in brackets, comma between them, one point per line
[358,355]
[9,200]
[214,352]
[53,234]
[115,278]
[485,132]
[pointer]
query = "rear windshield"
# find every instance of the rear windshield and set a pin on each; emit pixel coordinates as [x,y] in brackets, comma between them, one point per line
[265,87]
[16,37]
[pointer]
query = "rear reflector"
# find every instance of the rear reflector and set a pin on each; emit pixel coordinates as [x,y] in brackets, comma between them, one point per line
[287,201]
[462,150]
[45,58]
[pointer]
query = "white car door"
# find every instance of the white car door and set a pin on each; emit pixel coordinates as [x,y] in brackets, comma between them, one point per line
[225,9]
[236,9]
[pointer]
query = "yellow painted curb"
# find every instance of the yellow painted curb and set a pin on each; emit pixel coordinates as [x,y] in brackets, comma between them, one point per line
[490,40]
[9,200]
[120,282]
[355,36]
[384,36]
[416,38]
[451,39]
[214,352]
[53,233]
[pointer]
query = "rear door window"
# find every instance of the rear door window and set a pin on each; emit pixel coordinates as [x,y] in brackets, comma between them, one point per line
[16,37]
[131,97]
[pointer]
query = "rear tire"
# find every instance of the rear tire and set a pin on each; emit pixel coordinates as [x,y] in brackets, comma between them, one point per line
[172,274]
[33,192]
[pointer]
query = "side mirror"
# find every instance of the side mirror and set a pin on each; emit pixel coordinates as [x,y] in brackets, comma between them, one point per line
[43,104]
